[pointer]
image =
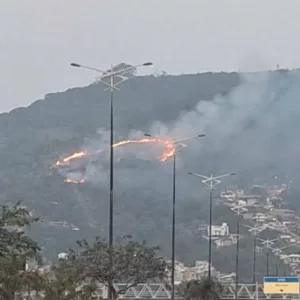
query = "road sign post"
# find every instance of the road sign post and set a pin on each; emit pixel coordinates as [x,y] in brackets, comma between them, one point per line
[281,285]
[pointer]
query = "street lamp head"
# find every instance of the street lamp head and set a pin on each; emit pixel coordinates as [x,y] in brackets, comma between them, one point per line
[147,134]
[190,173]
[75,65]
[201,135]
[231,174]
[147,64]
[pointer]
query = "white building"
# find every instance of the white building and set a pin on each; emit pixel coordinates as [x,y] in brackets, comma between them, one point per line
[226,241]
[291,258]
[217,230]
[228,195]
[240,193]
[200,270]
[260,218]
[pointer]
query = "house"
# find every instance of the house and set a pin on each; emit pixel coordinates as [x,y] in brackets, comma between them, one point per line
[275,201]
[226,278]
[216,230]
[228,195]
[260,218]
[241,202]
[198,271]
[225,241]
[275,191]
[189,274]
[291,258]
[277,226]
[296,271]
[285,237]
[252,201]
[240,193]
[248,216]
[284,214]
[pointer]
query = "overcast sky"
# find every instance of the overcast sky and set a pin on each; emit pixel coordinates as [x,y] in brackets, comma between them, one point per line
[39,38]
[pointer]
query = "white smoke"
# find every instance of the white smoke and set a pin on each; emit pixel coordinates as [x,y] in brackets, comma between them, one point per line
[250,127]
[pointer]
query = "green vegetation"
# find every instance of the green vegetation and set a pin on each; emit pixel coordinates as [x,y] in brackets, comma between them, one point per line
[75,276]
[16,248]
[205,289]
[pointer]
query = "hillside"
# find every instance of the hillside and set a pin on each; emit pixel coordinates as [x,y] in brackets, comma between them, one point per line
[250,122]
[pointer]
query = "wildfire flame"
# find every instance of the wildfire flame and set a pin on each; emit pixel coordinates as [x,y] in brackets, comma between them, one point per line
[169,150]
[74,181]
[67,160]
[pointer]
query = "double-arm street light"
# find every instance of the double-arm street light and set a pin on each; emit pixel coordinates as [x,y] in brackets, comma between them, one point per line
[255,231]
[267,245]
[177,146]
[238,210]
[277,252]
[210,181]
[112,79]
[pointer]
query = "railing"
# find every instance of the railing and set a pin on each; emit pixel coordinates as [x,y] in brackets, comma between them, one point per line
[160,291]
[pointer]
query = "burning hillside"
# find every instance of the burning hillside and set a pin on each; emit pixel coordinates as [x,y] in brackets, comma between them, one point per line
[168,152]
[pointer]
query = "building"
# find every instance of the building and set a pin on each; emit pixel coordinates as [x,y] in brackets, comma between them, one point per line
[198,271]
[226,241]
[291,259]
[217,230]
[251,200]
[276,202]
[283,214]
[183,273]
[240,193]
[248,216]
[285,237]
[260,218]
[228,195]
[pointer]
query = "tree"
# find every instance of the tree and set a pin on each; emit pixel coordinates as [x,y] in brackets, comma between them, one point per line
[204,289]
[64,283]
[133,263]
[129,70]
[16,249]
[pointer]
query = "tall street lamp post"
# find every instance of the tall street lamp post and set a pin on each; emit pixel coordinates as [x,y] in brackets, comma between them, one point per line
[267,245]
[112,79]
[210,181]
[254,230]
[277,252]
[177,146]
[238,210]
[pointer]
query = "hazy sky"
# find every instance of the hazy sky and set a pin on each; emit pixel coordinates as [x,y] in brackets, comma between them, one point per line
[39,38]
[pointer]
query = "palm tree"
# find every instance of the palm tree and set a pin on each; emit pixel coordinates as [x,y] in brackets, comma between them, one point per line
[204,289]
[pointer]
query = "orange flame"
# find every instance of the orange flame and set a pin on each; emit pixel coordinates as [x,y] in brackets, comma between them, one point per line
[168,152]
[67,160]
[74,181]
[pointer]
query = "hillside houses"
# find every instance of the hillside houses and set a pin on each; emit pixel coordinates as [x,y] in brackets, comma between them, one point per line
[265,208]
[198,271]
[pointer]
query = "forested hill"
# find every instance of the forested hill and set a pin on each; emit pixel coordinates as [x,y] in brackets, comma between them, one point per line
[222,105]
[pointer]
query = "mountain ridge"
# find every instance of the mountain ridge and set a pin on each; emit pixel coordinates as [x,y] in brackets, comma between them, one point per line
[33,138]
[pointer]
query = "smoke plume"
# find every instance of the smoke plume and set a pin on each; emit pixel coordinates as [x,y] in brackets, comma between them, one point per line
[251,131]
